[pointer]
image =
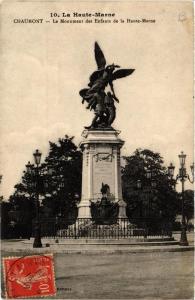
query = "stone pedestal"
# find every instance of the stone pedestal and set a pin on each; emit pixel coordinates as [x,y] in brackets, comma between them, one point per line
[101,164]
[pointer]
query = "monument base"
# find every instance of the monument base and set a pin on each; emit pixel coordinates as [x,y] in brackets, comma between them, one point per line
[87,228]
[101,165]
[84,209]
[122,209]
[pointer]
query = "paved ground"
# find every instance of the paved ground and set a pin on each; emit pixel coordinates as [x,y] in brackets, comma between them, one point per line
[166,275]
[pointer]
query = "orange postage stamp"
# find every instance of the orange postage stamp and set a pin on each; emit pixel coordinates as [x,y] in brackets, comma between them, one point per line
[29,276]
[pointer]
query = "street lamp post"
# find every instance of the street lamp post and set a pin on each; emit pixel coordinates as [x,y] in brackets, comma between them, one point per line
[37,240]
[182,176]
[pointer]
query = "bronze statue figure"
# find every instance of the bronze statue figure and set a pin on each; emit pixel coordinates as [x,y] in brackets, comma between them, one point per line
[104,212]
[103,103]
[105,190]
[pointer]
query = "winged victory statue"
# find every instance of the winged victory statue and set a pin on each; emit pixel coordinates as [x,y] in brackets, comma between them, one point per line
[100,95]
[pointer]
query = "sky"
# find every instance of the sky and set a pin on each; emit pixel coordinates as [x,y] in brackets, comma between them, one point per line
[44,66]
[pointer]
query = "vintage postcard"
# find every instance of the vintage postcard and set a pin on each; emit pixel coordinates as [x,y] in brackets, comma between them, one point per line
[96,151]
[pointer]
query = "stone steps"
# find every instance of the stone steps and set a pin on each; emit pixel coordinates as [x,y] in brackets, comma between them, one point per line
[100,247]
[95,251]
[105,243]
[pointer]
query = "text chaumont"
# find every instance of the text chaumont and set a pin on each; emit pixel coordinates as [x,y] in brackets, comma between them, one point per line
[32,21]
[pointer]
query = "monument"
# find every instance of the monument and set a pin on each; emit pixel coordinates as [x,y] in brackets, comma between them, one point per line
[101,144]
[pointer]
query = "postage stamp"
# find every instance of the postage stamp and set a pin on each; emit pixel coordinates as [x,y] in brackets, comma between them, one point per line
[29,276]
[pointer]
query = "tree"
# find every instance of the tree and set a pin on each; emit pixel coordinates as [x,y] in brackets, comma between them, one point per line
[5,230]
[22,207]
[159,202]
[63,172]
[58,183]
[4,206]
[1,197]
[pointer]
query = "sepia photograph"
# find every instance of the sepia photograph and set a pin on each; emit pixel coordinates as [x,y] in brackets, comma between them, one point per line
[96,155]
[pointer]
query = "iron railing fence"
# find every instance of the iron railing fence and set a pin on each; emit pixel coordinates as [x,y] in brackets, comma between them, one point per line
[88,228]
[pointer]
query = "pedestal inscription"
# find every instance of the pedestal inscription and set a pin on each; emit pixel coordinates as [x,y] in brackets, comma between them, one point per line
[103,170]
[101,164]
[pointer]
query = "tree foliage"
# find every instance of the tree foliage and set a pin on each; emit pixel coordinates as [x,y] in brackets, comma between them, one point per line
[58,184]
[159,201]
[63,169]
[188,205]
